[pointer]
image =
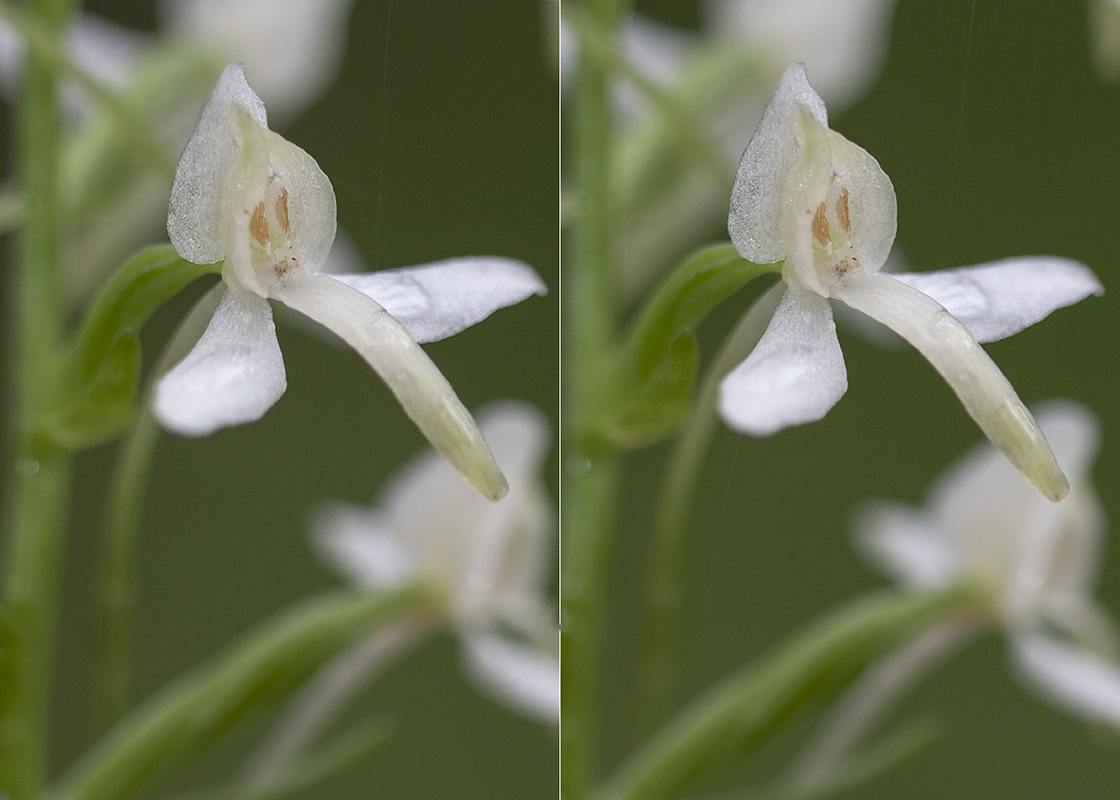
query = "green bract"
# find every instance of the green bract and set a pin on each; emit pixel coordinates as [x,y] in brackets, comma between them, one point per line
[655,372]
[96,390]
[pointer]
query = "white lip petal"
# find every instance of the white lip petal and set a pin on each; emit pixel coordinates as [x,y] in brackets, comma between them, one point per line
[794,375]
[1001,298]
[983,390]
[434,301]
[1069,677]
[522,678]
[233,375]
[756,198]
[418,384]
[195,207]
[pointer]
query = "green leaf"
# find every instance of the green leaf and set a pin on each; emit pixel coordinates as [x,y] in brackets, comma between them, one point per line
[654,374]
[736,717]
[181,722]
[97,387]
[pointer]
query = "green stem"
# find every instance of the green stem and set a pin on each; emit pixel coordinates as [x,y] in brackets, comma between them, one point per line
[664,583]
[590,485]
[39,494]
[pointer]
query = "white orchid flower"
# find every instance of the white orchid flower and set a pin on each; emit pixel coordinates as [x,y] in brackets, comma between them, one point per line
[487,563]
[246,197]
[1033,563]
[807,196]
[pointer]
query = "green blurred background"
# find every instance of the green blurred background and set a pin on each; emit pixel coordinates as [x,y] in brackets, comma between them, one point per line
[1036,171]
[440,137]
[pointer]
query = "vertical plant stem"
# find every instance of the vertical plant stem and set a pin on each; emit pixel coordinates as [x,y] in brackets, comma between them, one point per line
[664,582]
[39,493]
[590,483]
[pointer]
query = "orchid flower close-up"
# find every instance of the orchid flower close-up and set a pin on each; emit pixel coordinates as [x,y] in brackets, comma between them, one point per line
[486,563]
[1033,564]
[246,197]
[806,196]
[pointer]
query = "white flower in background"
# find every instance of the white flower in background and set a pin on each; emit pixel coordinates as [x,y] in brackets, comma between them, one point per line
[807,196]
[844,42]
[247,197]
[292,48]
[1033,563]
[486,562]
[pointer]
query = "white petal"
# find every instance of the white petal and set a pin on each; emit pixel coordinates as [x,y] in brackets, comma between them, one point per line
[906,544]
[973,376]
[434,301]
[795,374]
[232,376]
[998,299]
[195,207]
[362,546]
[524,679]
[418,384]
[1072,678]
[291,48]
[756,199]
